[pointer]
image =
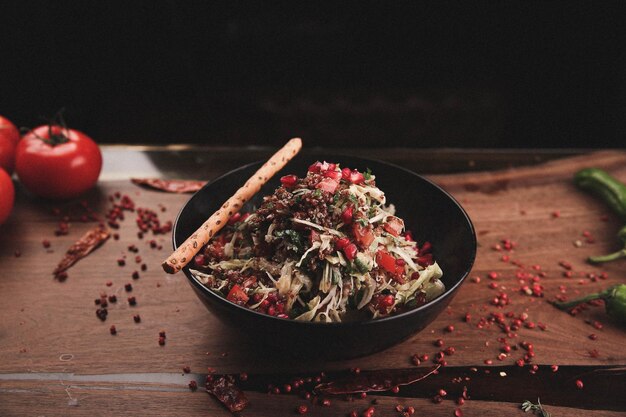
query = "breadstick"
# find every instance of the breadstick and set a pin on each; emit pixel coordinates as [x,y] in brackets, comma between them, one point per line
[190,247]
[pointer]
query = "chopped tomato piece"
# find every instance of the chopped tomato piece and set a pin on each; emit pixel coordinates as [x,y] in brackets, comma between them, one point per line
[342,243]
[350,251]
[386,261]
[390,264]
[328,185]
[345,174]
[237,295]
[394,225]
[363,235]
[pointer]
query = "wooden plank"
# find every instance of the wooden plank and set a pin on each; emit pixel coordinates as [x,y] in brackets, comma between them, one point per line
[54,398]
[50,326]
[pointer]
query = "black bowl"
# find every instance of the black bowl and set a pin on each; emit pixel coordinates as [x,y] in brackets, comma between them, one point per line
[428,211]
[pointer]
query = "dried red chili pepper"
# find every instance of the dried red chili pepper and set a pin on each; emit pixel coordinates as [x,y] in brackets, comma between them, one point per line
[223,388]
[82,247]
[170,186]
[367,381]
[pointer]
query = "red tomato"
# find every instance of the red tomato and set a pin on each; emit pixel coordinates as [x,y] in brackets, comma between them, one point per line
[363,235]
[7,195]
[394,225]
[386,261]
[56,162]
[390,264]
[9,137]
[237,295]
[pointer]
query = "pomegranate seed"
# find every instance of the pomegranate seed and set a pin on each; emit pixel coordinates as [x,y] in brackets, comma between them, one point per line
[326,402]
[336,175]
[450,351]
[113,330]
[186,369]
[579,384]
[460,401]
[410,410]
[439,342]
[450,328]
[289,180]
[437,399]
[356,177]
[132,301]
[593,336]
[316,167]
[193,385]
[121,262]
[137,318]
[369,412]
[135,275]
[161,341]
[442,392]
[554,368]
[458,413]
[128,287]
[287,388]
[395,389]
[234,218]
[112,298]
[302,409]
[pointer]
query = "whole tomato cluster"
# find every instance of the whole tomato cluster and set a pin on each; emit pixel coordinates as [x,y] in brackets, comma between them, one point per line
[51,161]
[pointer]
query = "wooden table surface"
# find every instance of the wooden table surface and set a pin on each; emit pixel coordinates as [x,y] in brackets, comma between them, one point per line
[58,359]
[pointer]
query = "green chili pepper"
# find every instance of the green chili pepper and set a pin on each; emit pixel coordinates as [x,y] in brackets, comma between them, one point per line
[601,183]
[615,255]
[613,192]
[614,302]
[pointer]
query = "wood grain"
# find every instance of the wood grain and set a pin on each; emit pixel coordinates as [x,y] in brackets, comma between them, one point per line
[42,319]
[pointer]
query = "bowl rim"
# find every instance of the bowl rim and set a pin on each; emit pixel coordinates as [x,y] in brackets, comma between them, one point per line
[448,292]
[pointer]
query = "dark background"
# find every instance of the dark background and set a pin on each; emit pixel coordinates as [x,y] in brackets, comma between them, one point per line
[438,74]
